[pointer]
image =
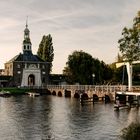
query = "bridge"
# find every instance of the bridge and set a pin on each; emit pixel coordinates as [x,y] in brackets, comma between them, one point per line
[89,90]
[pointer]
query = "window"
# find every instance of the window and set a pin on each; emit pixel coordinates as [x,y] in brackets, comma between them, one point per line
[18,66]
[19,72]
[43,72]
[43,67]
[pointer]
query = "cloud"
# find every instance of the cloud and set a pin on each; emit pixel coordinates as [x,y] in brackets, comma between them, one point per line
[93,26]
[7,23]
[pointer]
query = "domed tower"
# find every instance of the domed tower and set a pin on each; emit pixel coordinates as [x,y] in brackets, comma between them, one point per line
[27,45]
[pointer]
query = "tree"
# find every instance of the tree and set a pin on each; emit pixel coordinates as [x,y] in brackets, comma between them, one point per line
[129,43]
[119,75]
[41,46]
[45,50]
[136,74]
[81,66]
[119,58]
[132,132]
[107,73]
[137,21]
[130,47]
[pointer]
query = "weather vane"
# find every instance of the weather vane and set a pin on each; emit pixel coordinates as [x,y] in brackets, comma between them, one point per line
[27,22]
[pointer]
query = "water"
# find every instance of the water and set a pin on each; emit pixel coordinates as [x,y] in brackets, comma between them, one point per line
[27,118]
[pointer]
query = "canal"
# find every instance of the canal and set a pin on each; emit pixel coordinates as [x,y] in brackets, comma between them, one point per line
[27,118]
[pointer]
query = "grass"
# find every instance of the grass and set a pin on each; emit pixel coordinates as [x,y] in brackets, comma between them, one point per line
[132,132]
[15,90]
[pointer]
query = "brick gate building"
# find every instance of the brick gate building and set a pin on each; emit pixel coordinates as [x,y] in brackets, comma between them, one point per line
[27,69]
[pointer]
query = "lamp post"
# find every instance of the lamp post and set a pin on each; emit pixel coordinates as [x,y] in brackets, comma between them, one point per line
[93,76]
[60,80]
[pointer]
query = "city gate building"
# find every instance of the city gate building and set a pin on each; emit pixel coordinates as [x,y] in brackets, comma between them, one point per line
[27,69]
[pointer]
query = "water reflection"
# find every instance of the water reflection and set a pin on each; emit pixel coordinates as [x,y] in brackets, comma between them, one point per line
[24,118]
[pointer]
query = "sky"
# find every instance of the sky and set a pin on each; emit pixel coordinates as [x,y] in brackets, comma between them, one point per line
[93,26]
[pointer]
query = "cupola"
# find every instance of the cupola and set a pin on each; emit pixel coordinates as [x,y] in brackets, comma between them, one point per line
[27,45]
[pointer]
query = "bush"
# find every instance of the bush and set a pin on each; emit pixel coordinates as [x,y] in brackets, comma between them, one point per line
[132,132]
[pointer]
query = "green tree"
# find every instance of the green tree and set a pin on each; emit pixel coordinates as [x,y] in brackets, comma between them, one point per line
[119,58]
[119,75]
[132,132]
[137,21]
[129,43]
[136,74]
[81,66]
[107,73]
[41,46]
[45,50]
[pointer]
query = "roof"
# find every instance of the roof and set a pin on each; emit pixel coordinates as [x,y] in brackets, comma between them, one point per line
[26,57]
[13,59]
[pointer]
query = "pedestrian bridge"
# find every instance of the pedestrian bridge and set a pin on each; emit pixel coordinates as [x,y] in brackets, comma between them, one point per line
[89,90]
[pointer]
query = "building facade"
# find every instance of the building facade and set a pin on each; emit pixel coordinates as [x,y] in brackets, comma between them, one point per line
[2,71]
[27,69]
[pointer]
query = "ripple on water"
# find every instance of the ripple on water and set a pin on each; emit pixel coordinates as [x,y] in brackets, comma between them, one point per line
[34,118]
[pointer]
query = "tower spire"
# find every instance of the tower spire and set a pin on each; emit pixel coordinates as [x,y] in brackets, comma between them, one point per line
[27,22]
[27,42]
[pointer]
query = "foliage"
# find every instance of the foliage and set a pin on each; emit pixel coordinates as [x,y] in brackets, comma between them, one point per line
[80,68]
[136,74]
[119,58]
[15,90]
[137,21]
[129,43]
[106,72]
[45,50]
[69,75]
[132,132]
[119,75]
[129,46]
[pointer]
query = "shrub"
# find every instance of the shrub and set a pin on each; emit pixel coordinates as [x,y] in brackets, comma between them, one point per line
[132,132]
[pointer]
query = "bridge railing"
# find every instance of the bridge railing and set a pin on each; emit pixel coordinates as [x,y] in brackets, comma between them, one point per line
[101,88]
[107,88]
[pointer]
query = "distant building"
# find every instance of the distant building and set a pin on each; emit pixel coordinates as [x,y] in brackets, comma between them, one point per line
[2,71]
[4,80]
[25,68]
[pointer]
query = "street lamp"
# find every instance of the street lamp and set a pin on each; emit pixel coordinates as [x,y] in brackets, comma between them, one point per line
[93,76]
[60,78]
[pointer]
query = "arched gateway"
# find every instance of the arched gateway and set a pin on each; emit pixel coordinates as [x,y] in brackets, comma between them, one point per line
[31,77]
[31,80]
